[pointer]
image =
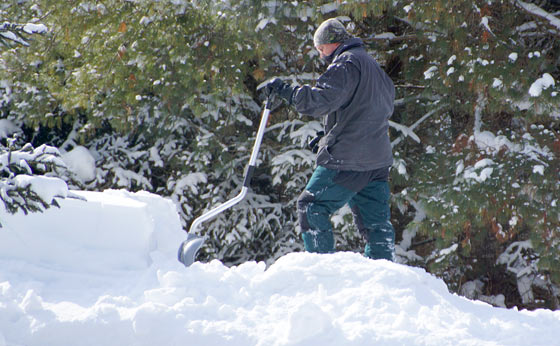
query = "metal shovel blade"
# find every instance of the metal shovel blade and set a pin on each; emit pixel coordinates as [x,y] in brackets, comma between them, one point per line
[189,248]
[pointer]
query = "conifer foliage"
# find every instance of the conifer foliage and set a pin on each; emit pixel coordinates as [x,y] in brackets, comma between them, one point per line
[163,94]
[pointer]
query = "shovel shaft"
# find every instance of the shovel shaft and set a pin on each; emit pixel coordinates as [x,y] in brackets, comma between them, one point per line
[247,179]
[260,134]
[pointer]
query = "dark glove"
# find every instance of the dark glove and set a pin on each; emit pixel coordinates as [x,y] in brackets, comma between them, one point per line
[281,88]
[314,143]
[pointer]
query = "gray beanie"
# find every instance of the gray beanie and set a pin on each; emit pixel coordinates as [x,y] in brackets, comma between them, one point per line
[330,31]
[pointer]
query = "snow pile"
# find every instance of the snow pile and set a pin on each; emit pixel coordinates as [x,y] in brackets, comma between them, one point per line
[81,163]
[96,232]
[102,270]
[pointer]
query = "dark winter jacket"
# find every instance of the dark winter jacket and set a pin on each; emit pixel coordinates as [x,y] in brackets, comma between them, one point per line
[357,97]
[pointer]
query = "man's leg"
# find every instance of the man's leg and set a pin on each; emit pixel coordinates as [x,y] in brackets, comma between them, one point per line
[320,199]
[372,216]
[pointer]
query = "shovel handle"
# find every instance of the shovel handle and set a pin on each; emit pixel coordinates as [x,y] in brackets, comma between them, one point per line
[254,154]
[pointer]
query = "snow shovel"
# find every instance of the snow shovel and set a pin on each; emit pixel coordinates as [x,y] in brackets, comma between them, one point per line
[189,248]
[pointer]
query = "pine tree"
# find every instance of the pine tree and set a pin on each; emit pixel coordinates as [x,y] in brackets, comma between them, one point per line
[485,169]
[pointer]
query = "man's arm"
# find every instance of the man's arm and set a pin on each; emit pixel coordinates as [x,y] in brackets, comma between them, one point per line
[333,90]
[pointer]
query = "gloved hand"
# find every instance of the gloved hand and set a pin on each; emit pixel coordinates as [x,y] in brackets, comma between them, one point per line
[281,88]
[314,143]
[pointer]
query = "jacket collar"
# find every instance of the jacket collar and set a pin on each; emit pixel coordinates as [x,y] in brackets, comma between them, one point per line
[346,45]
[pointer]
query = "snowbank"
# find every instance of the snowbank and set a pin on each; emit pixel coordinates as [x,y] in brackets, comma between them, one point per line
[100,233]
[103,271]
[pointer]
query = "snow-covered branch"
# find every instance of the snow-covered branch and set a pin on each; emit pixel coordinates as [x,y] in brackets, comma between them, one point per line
[22,187]
[539,12]
[407,131]
[480,104]
[390,37]
[12,32]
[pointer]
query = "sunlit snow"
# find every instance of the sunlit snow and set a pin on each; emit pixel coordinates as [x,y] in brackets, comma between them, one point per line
[102,270]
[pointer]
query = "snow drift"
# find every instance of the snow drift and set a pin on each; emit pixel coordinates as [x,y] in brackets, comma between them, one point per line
[102,270]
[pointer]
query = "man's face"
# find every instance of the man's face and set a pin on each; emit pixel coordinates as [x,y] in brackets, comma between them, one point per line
[326,49]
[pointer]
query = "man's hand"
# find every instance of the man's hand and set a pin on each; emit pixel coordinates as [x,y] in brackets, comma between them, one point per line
[314,143]
[281,88]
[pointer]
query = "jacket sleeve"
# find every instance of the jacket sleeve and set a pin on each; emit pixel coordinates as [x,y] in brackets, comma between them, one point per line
[334,89]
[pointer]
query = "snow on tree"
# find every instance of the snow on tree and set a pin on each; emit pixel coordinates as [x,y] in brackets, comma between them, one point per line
[26,178]
[14,33]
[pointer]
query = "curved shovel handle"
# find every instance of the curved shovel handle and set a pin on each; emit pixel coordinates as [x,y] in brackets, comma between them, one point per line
[189,248]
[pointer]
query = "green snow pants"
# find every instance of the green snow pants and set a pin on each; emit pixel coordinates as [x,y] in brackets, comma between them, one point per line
[367,194]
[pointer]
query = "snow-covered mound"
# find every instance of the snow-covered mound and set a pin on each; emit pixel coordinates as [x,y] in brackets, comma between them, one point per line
[103,271]
[95,232]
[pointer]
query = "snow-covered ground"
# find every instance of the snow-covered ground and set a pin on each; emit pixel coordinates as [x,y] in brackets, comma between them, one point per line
[102,270]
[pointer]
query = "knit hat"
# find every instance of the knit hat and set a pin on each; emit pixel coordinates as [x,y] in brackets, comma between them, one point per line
[330,31]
